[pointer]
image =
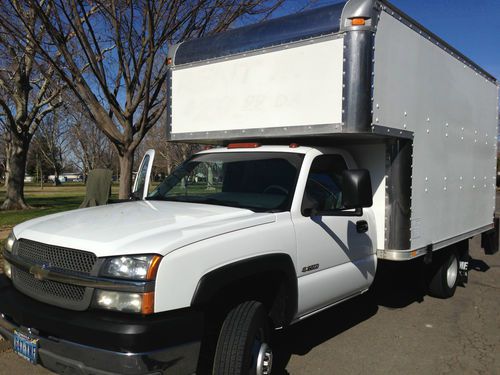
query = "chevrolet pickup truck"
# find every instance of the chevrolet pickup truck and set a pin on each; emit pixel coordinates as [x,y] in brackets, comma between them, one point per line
[337,137]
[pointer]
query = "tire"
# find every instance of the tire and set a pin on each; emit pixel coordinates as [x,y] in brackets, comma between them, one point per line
[445,278]
[243,344]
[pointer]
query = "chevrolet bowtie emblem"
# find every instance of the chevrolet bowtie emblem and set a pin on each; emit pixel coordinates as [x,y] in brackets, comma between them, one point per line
[39,272]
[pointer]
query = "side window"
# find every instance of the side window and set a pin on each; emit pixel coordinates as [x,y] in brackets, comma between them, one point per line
[324,184]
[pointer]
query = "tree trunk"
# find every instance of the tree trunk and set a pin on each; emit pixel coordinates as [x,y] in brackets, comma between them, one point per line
[57,182]
[126,165]
[7,159]
[17,156]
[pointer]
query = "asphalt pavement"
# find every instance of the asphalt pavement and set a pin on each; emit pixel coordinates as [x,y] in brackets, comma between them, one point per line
[393,329]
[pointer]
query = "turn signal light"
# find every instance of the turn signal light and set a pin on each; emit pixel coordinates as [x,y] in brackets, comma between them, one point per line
[358,21]
[148,303]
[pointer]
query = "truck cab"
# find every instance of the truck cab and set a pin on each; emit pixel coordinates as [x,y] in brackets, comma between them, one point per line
[283,231]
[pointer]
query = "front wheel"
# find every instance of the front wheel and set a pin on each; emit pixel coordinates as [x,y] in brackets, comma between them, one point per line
[243,345]
[444,281]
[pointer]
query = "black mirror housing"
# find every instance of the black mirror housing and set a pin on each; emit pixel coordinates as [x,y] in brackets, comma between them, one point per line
[357,189]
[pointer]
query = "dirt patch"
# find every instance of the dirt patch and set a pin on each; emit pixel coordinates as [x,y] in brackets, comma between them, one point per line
[4,232]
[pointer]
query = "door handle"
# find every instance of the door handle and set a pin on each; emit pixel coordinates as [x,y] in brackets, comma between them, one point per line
[362,226]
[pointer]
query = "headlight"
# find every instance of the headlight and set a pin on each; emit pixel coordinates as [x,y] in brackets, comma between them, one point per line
[141,303]
[9,243]
[141,267]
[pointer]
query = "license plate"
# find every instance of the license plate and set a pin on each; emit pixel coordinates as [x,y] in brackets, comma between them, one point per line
[26,347]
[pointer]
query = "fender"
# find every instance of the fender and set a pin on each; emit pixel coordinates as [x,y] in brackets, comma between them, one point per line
[214,281]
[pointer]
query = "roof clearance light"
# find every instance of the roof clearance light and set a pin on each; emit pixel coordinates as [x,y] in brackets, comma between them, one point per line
[358,21]
[293,145]
[243,145]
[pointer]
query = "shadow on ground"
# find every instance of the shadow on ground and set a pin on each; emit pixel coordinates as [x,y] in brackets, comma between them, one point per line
[397,285]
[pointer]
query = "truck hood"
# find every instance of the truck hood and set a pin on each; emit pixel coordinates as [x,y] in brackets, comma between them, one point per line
[141,227]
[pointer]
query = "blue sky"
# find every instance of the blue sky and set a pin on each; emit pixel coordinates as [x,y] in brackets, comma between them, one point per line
[471,26]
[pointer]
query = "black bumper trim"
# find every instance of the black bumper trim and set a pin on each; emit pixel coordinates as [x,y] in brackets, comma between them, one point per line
[100,331]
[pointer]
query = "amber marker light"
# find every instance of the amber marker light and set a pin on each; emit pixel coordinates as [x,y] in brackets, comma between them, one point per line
[358,21]
[148,303]
[153,267]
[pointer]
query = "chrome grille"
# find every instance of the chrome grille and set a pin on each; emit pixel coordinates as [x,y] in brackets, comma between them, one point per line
[52,292]
[48,289]
[55,256]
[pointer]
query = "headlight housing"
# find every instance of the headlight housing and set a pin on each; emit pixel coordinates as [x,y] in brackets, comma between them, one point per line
[10,242]
[133,267]
[137,267]
[138,303]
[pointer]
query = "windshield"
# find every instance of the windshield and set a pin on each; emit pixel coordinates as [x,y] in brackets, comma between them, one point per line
[259,181]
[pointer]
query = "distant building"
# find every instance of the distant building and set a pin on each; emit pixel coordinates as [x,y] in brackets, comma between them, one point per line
[67,177]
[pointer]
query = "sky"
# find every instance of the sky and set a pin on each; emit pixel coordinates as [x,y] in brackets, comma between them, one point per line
[471,26]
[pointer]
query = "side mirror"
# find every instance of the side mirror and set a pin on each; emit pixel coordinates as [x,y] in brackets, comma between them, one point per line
[310,207]
[357,189]
[310,211]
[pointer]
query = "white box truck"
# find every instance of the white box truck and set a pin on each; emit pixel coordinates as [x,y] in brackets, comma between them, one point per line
[341,135]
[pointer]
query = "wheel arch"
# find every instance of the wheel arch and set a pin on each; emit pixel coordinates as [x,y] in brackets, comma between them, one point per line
[278,268]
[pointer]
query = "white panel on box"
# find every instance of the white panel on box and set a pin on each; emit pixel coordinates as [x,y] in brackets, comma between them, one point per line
[452,111]
[372,157]
[301,85]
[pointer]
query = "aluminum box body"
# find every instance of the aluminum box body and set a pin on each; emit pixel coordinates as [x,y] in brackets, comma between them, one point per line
[409,107]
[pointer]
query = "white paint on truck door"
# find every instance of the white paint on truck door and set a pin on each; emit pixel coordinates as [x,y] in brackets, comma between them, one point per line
[334,261]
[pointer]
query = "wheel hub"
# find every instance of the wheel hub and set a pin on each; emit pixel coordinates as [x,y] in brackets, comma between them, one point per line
[264,360]
[452,273]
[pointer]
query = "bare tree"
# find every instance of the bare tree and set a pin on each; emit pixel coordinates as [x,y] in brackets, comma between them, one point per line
[3,155]
[112,55]
[89,147]
[27,94]
[168,154]
[52,140]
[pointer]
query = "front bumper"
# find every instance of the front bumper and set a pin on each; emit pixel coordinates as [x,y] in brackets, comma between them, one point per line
[96,342]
